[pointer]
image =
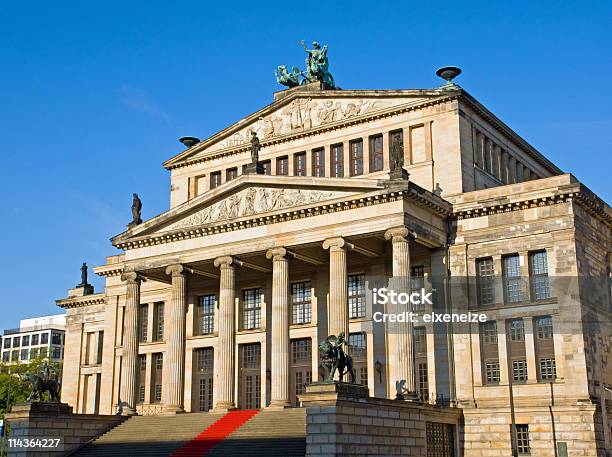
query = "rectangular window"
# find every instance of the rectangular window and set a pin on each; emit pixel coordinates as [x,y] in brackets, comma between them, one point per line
[282,166]
[251,309]
[35,339]
[43,352]
[206,314]
[519,370]
[16,341]
[337,161]
[142,374]
[301,351]
[33,353]
[158,365]
[25,340]
[522,439]
[423,378]
[159,322]
[15,356]
[144,323]
[488,332]
[376,153]
[301,302]
[356,296]
[56,353]
[539,275]
[7,343]
[44,338]
[356,151]
[6,356]
[231,173]
[24,354]
[318,162]
[420,341]
[486,283]
[267,167]
[417,277]
[512,279]
[516,330]
[489,352]
[548,369]
[299,164]
[358,350]
[492,371]
[215,179]
[544,328]
[56,338]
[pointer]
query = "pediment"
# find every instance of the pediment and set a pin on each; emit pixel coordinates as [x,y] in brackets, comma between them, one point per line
[303,112]
[248,197]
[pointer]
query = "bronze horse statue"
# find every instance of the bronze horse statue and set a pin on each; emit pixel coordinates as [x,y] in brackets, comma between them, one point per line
[40,386]
[334,358]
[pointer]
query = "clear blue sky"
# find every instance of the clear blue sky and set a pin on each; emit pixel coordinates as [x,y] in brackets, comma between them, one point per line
[93,96]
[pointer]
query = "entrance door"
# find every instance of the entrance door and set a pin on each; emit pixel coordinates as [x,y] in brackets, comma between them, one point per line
[249,383]
[203,363]
[301,368]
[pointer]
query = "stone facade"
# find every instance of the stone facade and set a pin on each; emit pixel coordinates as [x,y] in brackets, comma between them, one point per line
[220,302]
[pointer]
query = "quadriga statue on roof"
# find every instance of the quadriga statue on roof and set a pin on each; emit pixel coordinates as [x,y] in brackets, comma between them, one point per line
[317,68]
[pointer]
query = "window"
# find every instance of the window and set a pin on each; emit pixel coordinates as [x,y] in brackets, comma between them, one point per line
[337,161]
[56,353]
[43,352]
[14,356]
[376,153]
[486,285]
[158,364]
[16,341]
[488,331]
[24,354]
[282,165]
[356,151]
[25,340]
[159,322]
[7,343]
[544,328]
[267,167]
[299,164]
[423,387]
[417,277]
[35,339]
[205,359]
[231,173]
[301,351]
[206,314]
[492,371]
[6,356]
[252,309]
[420,340]
[144,323]
[142,373]
[539,275]
[512,279]
[548,369]
[44,338]
[56,338]
[33,353]
[215,179]
[516,330]
[301,302]
[318,162]
[358,350]
[519,370]
[356,296]
[522,439]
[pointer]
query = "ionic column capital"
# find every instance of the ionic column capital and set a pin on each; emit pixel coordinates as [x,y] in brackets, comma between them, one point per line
[226,261]
[132,277]
[400,234]
[178,270]
[336,243]
[277,254]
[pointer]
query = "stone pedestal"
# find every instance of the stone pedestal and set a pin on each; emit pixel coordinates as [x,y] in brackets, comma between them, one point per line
[81,290]
[253,169]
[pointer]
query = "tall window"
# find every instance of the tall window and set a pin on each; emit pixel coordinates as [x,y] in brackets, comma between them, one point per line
[522,439]
[57,338]
[356,151]
[142,376]
[337,161]
[515,329]
[144,322]
[215,179]
[301,302]
[34,340]
[376,153]
[318,162]
[206,314]
[539,275]
[25,340]
[158,365]
[7,343]
[545,349]
[417,277]
[267,167]
[44,339]
[282,166]
[231,173]
[159,322]
[512,279]
[299,165]
[252,309]
[358,350]
[17,341]
[420,361]
[489,352]
[356,296]
[486,286]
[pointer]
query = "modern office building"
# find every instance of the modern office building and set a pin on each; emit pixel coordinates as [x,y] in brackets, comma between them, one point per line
[35,337]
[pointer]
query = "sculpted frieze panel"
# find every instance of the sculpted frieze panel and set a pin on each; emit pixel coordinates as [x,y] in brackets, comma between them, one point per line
[251,201]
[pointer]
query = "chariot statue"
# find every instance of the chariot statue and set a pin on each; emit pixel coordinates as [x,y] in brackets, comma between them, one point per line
[334,358]
[317,68]
[285,78]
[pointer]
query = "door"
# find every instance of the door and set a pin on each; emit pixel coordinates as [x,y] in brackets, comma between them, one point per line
[301,368]
[249,382]
[203,362]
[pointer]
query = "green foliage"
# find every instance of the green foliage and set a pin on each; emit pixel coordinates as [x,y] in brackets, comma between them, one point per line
[12,388]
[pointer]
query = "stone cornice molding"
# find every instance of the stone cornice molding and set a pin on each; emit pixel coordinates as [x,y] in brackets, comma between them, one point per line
[79,302]
[109,272]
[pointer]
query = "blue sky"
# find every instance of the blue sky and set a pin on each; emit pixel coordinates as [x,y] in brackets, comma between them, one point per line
[93,96]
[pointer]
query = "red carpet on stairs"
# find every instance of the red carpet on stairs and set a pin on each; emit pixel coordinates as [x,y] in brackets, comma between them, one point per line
[216,433]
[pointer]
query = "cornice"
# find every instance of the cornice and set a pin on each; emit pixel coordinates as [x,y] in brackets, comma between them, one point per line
[79,302]
[109,271]
[394,193]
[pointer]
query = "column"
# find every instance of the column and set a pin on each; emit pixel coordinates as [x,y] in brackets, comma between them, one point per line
[402,352]
[129,368]
[337,314]
[225,357]
[280,328]
[175,364]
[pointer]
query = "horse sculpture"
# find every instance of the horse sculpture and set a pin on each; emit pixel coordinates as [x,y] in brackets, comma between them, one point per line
[334,358]
[40,386]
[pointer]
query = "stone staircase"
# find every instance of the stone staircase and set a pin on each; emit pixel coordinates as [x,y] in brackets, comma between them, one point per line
[268,433]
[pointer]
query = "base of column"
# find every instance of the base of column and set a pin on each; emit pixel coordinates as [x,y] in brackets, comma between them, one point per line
[223,407]
[279,404]
[172,409]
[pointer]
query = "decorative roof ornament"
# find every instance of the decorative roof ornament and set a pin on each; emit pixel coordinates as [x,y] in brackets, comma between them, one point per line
[317,69]
[448,74]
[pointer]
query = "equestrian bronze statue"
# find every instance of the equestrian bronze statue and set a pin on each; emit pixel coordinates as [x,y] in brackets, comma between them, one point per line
[334,358]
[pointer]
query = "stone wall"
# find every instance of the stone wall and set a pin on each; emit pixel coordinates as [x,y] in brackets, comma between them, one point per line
[343,421]
[53,420]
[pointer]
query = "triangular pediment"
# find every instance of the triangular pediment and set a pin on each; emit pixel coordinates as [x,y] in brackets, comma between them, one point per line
[248,197]
[305,111]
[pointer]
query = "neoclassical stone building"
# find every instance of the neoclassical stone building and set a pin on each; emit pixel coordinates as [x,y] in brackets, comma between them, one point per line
[221,301]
